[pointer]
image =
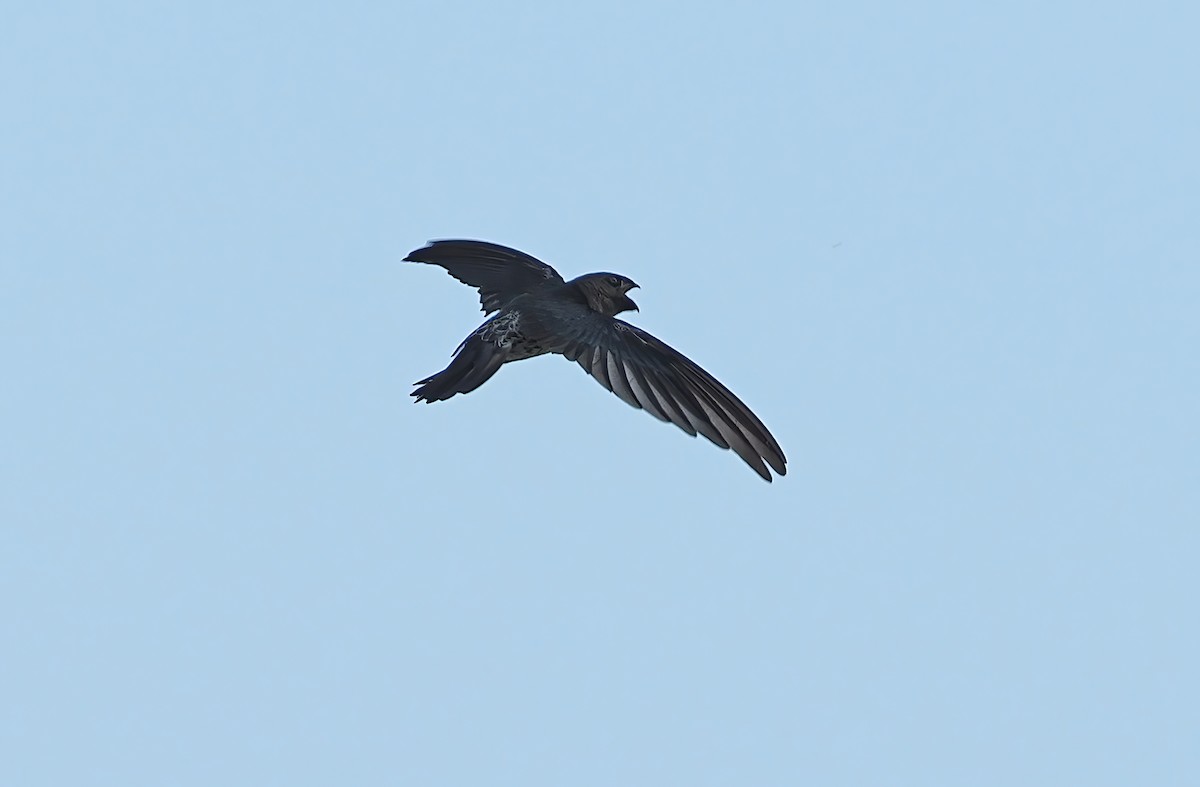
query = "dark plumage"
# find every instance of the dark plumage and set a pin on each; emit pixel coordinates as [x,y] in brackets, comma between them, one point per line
[538,313]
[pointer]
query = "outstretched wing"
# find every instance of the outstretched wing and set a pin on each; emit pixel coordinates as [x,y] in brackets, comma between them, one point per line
[499,273]
[650,375]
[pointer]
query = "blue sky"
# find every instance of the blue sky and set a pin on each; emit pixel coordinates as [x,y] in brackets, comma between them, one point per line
[948,253]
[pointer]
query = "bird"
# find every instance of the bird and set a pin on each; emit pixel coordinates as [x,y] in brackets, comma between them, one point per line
[534,311]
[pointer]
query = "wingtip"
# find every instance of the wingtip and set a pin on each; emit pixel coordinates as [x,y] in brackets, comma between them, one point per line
[421,254]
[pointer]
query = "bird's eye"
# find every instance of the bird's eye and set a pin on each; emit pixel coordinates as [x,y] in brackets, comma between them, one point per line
[614,282]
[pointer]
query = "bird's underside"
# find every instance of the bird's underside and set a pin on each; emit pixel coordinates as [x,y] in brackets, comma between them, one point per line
[537,312]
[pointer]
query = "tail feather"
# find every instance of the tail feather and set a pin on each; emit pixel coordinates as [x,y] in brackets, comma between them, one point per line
[474,362]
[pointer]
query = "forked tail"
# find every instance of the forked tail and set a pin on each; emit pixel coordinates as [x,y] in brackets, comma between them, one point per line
[474,362]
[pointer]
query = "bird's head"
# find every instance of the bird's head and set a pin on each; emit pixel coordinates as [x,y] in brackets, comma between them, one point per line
[607,293]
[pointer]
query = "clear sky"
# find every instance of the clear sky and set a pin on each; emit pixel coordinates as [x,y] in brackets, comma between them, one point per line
[947,251]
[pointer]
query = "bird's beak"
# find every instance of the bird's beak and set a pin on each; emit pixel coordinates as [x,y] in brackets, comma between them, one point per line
[628,304]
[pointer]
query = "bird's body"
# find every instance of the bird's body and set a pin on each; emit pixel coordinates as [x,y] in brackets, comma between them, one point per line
[537,313]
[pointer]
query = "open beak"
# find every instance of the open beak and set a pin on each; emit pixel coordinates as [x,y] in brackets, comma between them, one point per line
[632,305]
[627,302]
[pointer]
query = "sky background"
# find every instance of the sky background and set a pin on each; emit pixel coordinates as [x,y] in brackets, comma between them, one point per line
[947,252]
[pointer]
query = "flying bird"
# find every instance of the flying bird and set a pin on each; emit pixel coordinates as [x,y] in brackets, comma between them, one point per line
[538,312]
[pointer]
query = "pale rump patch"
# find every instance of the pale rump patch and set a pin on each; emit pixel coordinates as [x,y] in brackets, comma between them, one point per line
[503,330]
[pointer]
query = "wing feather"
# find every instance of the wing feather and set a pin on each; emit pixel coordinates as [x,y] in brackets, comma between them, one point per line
[498,272]
[648,374]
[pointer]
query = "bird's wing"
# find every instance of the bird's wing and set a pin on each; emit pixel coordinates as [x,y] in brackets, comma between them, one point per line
[650,375]
[499,273]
